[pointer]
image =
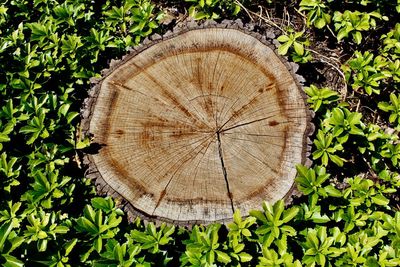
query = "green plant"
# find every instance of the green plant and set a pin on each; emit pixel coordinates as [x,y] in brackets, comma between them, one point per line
[317,13]
[9,214]
[135,17]
[97,227]
[320,248]
[391,47]
[202,249]
[310,181]
[36,127]
[239,228]
[8,173]
[281,258]
[42,228]
[319,97]
[354,22]
[360,245]
[391,224]
[294,42]
[392,178]
[61,258]
[312,212]
[392,152]
[274,222]
[120,255]
[393,107]
[239,231]
[9,242]
[326,149]
[366,72]
[362,192]
[343,123]
[46,188]
[212,9]
[352,218]
[151,239]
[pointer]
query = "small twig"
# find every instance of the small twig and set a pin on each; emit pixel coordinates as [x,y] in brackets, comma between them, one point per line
[302,15]
[376,117]
[266,20]
[331,31]
[245,10]
[373,111]
[285,16]
[358,105]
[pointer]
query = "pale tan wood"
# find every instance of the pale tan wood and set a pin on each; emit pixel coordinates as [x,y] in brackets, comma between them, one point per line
[199,124]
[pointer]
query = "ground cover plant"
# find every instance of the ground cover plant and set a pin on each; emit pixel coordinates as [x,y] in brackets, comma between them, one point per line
[348,211]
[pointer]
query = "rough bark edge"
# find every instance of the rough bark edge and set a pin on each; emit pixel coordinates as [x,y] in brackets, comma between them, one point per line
[267,38]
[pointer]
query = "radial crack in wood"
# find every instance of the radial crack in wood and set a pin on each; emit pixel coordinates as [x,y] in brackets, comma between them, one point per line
[198,124]
[224,170]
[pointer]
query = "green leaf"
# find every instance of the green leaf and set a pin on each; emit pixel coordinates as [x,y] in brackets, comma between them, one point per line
[64,109]
[70,245]
[321,259]
[141,237]
[98,244]
[337,160]
[237,217]
[380,200]
[394,100]
[332,191]
[320,23]
[298,48]
[105,204]
[118,253]
[283,48]
[283,38]
[12,261]
[61,229]
[357,37]
[278,208]
[289,214]
[385,106]
[71,116]
[42,235]
[302,170]
[5,230]
[342,34]
[246,232]
[4,138]
[86,225]
[245,257]
[259,215]
[200,15]
[222,257]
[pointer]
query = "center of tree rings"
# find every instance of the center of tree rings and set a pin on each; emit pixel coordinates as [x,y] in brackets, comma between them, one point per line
[198,124]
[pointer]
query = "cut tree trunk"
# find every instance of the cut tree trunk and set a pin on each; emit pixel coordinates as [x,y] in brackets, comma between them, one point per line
[197,124]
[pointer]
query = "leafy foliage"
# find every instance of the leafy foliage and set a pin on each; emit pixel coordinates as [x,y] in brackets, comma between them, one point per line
[326,148]
[317,13]
[295,43]
[211,9]
[393,107]
[367,72]
[347,214]
[318,97]
[354,22]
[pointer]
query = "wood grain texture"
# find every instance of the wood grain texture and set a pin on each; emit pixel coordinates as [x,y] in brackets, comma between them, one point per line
[197,124]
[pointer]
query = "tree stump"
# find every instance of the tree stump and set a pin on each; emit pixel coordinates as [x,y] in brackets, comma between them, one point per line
[197,124]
